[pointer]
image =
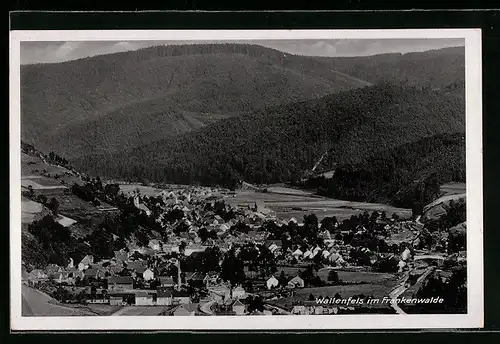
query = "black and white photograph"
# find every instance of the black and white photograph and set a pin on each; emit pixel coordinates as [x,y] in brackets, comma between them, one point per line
[277,179]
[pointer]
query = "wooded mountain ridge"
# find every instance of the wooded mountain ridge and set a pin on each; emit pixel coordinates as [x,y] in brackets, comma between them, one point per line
[277,144]
[104,104]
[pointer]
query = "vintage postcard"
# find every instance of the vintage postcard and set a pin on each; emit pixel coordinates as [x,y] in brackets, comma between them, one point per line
[271,180]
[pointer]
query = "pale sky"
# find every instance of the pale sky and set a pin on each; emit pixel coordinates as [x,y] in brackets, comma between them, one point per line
[50,52]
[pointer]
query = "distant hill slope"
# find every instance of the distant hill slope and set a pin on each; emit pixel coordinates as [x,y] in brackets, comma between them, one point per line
[119,101]
[441,68]
[278,143]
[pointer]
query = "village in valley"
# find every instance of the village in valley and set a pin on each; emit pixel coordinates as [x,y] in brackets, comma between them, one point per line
[95,247]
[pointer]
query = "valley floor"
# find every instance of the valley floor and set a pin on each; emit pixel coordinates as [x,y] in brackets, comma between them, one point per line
[292,203]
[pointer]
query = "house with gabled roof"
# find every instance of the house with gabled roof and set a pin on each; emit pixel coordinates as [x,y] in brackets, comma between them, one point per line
[120,283]
[101,273]
[307,254]
[180,297]
[272,282]
[115,270]
[52,269]
[155,244]
[238,307]
[37,275]
[143,298]
[273,242]
[296,282]
[61,277]
[297,253]
[138,266]
[90,273]
[211,278]
[115,300]
[121,255]
[166,281]
[164,297]
[148,275]
[86,262]
[239,293]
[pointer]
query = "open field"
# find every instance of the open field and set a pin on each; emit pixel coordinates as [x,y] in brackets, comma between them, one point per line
[288,191]
[41,183]
[129,189]
[445,199]
[72,206]
[30,163]
[289,271]
[65,221]
[29,210]
[301,203]
[453,188]
[345,291]
[248,197]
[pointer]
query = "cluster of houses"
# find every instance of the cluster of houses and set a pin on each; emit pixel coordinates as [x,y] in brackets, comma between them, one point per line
[127,280]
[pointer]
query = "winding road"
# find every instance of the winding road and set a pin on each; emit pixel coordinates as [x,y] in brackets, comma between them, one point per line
[207,307]
[402,287]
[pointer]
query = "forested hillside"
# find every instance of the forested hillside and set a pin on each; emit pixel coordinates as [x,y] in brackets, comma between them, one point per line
[278,143]
[442,68]
[406,176]
[119,101]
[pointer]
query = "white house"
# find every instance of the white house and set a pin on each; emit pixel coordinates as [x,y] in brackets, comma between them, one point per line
[401,265]
[299,309]
[297,254]
[273,247]
[307,254]
[224,227]
[148,275]
[141,206]
[194,248]
[239,293]
[164,297]
[142,298]
[272,282]
[406,254]
[154,244]
[296,282]
[238,307]
[86,262]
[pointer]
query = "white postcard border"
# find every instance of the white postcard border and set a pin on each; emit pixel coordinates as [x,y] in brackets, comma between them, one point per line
[474,317]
